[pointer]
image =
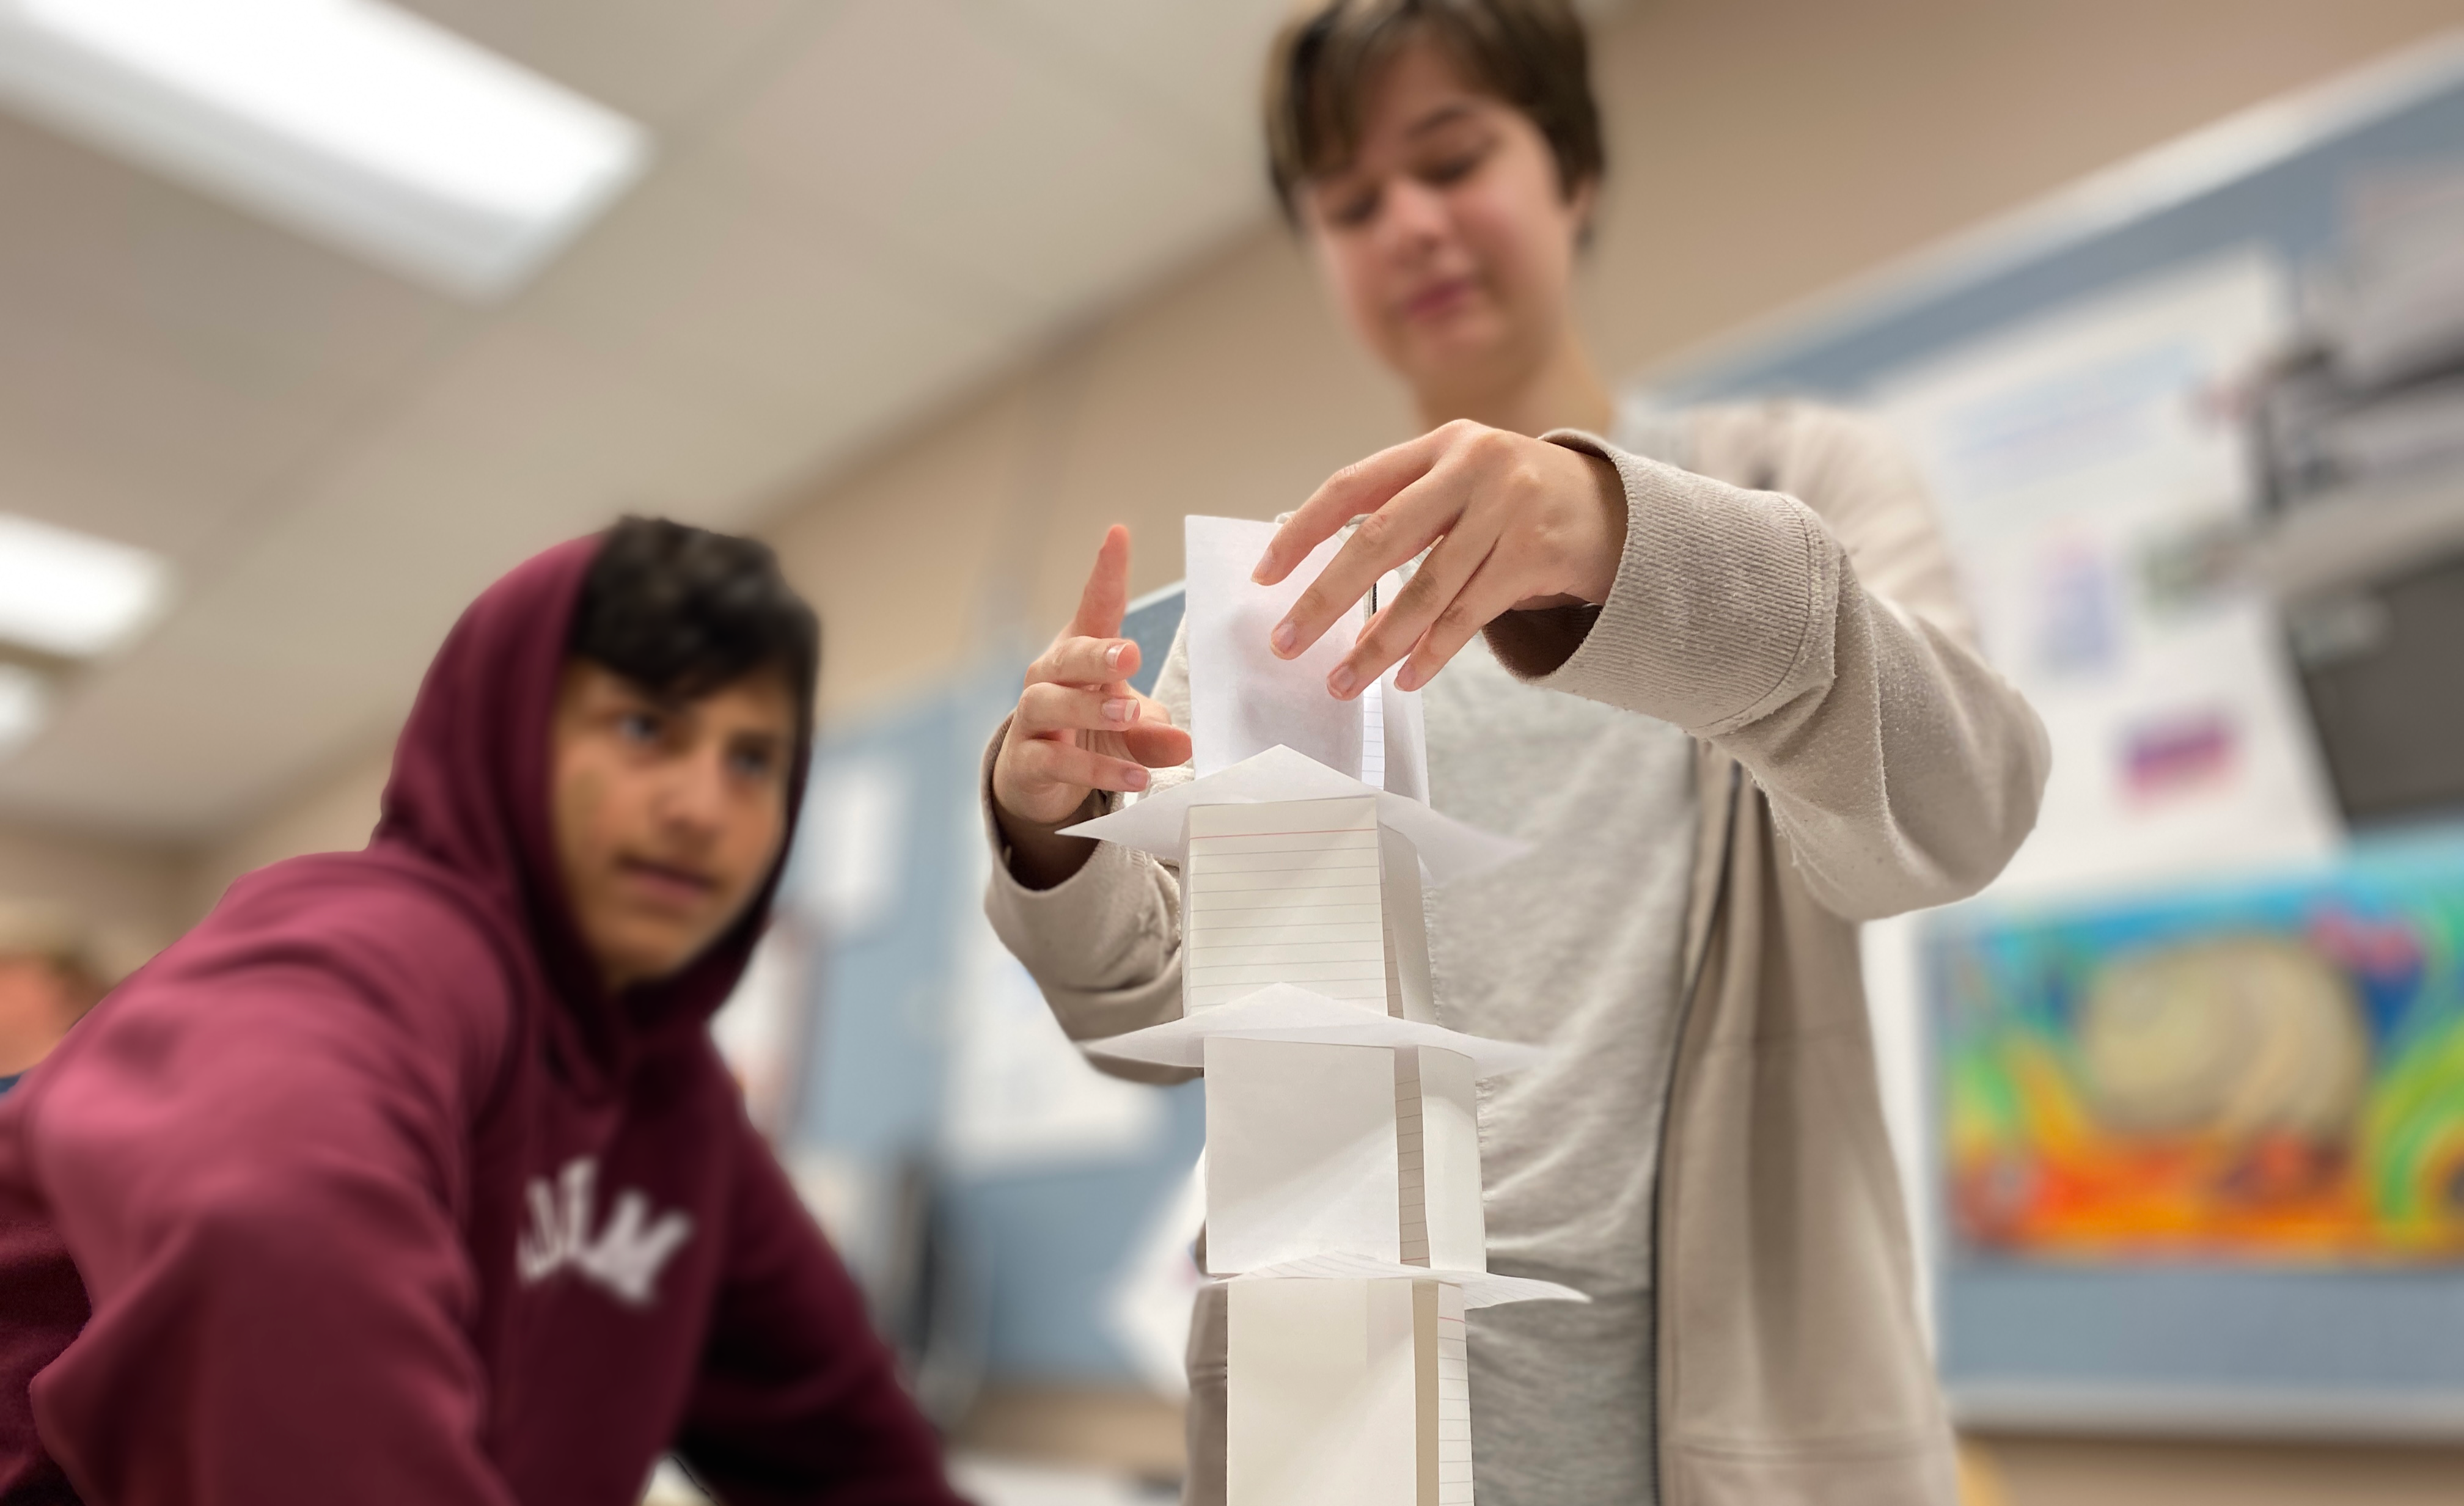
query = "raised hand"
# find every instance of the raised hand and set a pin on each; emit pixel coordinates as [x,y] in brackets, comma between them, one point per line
[1517,523]
[1079,727]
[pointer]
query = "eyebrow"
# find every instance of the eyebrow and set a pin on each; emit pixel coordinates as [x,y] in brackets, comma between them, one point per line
[1442,115]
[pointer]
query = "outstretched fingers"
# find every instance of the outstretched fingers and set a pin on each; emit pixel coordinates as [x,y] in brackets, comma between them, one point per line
[1106,598]
[1485,597]
[1433,590]
[1053,761]
[1045,709]
[1085,661]
[1362,487]
[1412,519]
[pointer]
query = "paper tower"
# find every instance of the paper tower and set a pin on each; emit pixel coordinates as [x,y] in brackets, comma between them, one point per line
[1315,893]
[1343,1184]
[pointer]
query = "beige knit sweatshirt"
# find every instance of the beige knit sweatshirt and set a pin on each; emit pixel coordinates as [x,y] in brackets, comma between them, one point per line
[1784,598]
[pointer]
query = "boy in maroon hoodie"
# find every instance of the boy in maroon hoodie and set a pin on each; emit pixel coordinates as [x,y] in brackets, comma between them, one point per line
[410,1174]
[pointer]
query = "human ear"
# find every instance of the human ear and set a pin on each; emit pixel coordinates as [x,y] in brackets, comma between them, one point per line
[1582,202]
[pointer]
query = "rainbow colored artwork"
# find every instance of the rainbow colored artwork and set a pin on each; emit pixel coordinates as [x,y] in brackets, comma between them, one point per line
[2271,1073]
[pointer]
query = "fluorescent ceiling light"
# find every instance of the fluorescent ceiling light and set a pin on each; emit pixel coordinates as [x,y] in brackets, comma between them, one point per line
[346,119]
[73,595]
[25,704]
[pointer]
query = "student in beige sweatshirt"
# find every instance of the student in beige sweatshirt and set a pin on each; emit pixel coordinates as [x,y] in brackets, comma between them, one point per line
[1714,670]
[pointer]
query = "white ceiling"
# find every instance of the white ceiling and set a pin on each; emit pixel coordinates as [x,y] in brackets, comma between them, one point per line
[856,207]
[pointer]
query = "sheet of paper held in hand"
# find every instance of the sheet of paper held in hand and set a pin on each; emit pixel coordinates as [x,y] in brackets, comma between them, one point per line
[1243,700]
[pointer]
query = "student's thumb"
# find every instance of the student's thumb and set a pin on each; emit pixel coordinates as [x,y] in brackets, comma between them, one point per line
[1158,747]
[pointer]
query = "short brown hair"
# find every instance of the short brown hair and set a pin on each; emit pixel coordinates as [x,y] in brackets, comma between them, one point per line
[1530,54]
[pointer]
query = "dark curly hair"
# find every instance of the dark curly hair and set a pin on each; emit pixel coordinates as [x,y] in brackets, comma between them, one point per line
[683,611]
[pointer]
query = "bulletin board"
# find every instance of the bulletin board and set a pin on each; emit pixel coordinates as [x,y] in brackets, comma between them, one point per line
[2089,1278]
[993,1193]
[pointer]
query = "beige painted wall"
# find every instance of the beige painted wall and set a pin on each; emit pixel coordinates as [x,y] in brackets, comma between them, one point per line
[1762,151]
[130,894]
[334,814]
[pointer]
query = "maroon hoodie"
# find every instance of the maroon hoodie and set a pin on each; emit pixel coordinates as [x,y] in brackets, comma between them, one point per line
[378,1196]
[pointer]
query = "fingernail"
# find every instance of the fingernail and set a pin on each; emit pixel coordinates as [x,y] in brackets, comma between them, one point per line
[1407,679]
[1135,779]
[1341,680]
[1285,635]
[1120,711]
[1258,577]
[1113,655]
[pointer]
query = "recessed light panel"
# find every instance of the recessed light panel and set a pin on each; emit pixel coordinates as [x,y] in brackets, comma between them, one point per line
[72,594]
[348,120]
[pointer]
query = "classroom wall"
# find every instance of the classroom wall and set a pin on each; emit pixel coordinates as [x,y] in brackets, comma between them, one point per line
[1762,151]
[129,892]
[332,814]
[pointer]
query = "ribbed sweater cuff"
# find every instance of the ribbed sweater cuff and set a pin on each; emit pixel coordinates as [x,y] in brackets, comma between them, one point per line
[1722,604]
[1085,907]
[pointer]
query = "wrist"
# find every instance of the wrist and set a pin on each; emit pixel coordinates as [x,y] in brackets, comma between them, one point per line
[1605,498]
[1039,857]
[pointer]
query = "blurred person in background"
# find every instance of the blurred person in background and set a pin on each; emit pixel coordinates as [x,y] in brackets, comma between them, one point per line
[50,975]
[412,1174]
[1713,666]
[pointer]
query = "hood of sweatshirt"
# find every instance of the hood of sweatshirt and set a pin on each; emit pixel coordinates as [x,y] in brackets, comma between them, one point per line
[366,1190]
[470,796]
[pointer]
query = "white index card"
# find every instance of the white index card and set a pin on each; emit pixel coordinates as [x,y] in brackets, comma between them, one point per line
[1288,891]
[1243,700]
[1324,1394]
[1301,1154]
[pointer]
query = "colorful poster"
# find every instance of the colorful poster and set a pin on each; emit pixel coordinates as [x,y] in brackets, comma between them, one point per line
[2267,1074]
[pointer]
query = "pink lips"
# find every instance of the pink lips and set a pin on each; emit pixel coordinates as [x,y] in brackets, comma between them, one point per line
[667,887]
[1438,298]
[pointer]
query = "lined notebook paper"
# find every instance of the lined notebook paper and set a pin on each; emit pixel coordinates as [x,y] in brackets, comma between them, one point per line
[1444,1388]
[1287,892]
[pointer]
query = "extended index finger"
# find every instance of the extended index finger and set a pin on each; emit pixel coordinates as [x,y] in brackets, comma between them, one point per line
[1107,597]
[1362,487]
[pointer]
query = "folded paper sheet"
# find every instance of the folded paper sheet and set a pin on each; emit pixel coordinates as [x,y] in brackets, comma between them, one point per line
[1351,1393]
[1357,1150]
[1448,848]
[1480,1288]
[1282,1011]
[1243,700]
[1318,893]
[1289,891]
[1301,1154]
